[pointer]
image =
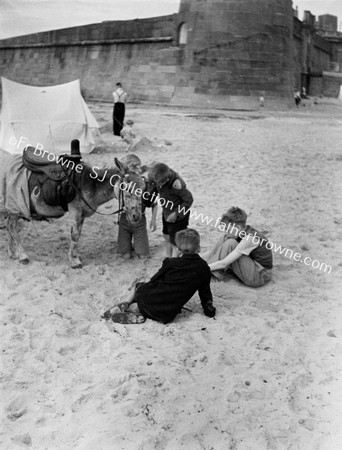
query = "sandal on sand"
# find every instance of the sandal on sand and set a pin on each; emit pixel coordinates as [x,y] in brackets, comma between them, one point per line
[127,317]
[120,307]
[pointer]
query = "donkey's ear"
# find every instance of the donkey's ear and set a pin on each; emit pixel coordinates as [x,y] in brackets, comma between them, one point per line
[121,166]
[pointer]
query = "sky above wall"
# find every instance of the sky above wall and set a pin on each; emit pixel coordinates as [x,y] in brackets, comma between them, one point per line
[18,17]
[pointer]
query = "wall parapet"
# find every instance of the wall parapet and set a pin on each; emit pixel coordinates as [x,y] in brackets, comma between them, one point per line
[89,43]
[111,30]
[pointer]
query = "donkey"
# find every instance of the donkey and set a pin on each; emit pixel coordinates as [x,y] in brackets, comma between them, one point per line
[93,187]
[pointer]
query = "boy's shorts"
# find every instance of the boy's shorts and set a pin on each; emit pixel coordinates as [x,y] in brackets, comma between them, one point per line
[171,228]
[137,232]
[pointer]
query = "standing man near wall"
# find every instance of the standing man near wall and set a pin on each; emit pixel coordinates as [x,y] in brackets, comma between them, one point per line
[120,97]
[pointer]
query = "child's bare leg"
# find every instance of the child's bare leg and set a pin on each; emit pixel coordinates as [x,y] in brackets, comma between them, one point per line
[127,299]
[168,245]
[128,148]
[130,297]
[174,251]
[134,308]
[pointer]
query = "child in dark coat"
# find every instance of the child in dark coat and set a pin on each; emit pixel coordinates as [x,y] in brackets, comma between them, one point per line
[164,296]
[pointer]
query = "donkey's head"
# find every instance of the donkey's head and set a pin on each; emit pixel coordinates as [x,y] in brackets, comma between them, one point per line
[129,190]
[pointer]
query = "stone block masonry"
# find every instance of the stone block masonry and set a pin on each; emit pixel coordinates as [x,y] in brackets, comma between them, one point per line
[138,53]
[231,48]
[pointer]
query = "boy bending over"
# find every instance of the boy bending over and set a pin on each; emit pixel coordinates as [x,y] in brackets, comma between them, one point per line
[164,296]
[175,200]
[242,250]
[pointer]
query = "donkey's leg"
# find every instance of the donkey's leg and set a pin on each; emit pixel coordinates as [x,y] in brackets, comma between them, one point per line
[77,220]
[15,249]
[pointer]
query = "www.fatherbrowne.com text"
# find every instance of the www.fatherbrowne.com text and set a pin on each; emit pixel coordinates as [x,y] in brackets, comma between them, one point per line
[287,252]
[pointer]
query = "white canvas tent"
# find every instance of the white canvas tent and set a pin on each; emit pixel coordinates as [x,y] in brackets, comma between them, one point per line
[50,116]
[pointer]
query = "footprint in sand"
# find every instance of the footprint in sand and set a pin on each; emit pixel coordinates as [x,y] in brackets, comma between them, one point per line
[16,409]
[15,415]
[82,400]
[23,440]
[297,391]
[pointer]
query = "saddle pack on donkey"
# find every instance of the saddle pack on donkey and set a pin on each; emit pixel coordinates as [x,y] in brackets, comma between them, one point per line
[54,177]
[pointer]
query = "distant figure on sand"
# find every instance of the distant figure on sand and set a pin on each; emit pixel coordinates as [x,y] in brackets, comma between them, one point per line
[242,250]
[128,135]
[120,98]
[297,98]
[175,199]
[164,296]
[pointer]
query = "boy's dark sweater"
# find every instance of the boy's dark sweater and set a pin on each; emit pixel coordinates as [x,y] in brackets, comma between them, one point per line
[175,199]
[163,297]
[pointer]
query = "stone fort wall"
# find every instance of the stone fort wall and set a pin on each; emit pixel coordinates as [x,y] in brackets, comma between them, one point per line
[140,53]
[222,53]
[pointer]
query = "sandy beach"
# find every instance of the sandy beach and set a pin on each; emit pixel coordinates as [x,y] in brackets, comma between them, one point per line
[265,373]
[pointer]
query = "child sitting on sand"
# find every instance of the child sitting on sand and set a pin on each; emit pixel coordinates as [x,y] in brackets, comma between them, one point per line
[175,200]
[164,296]
[242,249]
[127,134]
